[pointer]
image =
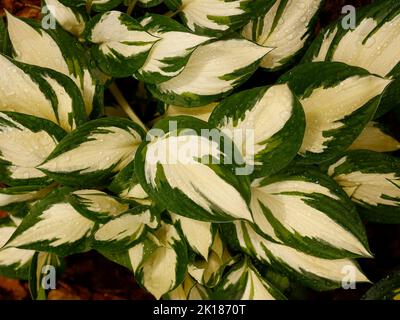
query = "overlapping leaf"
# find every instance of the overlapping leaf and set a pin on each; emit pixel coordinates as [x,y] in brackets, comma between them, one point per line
[243,282]
[209,271]
[374,43]
[202,113]
[70,19]
[90,155]
[126,230]
[96,5]
[40,92]
[121,44]
[126,185]
[19,195]
[188,290]
[305,209]
[41,267]
[375,138]
[286,27]
[54,225]
[25,142]
[314,272]
[14,262]
[198,234]
[217,16]
[160,262]
[55,49]
[184,169]
[212,71]
[267,124]
[372,180]
[65,221]
[148,3]
[97,205]
[338,101]
[168,56]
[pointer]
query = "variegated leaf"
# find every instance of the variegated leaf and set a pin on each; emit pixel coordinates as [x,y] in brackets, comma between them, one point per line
[212,72]
[97,205]
[96,5]
[94,152]
[374,43]
[70,19]
[18,195]
[374,138]
[168,56]
[198,234]
[267,124]
[184,170]
[54,225]
[126,185]
[307,210]
[119,257]
[189,290]
[161,265]
[126,230]
[121,44]
[52,95]
[314,272]
[209,272]
[14,263]
[55,49]
[202,113]
[41,268]
[25,142]
[372,180]
[286,27]
[244,282]
[216,16]
[18,209]
[148,3]
[338,101]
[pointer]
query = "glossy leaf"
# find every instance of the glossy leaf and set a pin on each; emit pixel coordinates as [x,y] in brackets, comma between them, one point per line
[212,72]
[307,210]
[170,54]
[25,142]
[372,181]
[338,101]
[286,27]
[75,161]
[184,170]
[160,263]
[121,44]
[55,49]
[267,124]
[52,95]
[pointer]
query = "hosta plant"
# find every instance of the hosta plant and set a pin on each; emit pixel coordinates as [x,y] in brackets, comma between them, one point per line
[226,178]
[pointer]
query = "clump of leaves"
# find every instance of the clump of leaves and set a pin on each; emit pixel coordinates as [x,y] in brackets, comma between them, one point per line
[308,155]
